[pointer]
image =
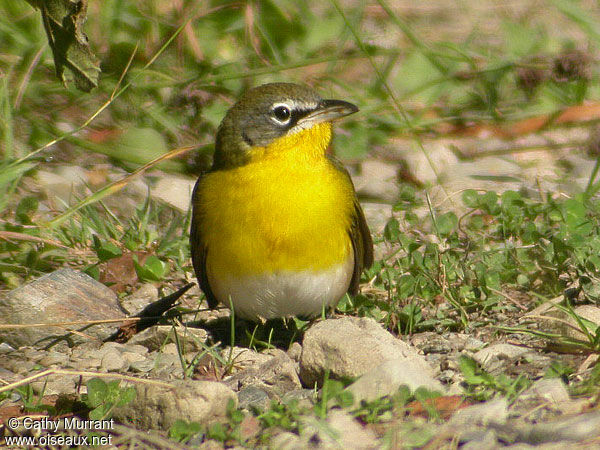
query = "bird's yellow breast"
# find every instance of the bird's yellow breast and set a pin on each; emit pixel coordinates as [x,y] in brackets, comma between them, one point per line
[288,208]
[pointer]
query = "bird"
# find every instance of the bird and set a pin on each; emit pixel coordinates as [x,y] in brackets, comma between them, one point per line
[277,230]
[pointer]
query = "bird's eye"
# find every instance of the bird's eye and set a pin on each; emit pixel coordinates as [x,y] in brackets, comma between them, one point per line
[282,113]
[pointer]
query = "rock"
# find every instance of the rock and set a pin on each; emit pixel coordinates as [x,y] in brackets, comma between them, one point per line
[54,359]
[131,357]
[154,338]
[107,347]
[426,166]
[304,397]
[87,363]
[56,385]
[352,433]
[65,295]
[5,348]
[295,351]
[377,215]
[142,366]
[493,356]
[62,183]
[286,441]
[386,378]
[491,412]
[33,354]
[557,320]
[562,445]
[170,349]
[587,312]
[473,345]
[377,180]
[276,376]
[251,397]
[339,430]
[350,347]
[486,440]
[578,428]
[552,390]
[140,298]
[158,406]
[112,361]
[17,364]
[174,190]
[542,310]
[244,358]
[431,342]
[9,377]
[546,397]
[165,360]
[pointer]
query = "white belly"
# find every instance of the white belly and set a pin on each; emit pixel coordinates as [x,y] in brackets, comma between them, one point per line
[284,293]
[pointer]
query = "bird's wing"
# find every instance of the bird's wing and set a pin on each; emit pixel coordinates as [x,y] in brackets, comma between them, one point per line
[362,243]
[198,248]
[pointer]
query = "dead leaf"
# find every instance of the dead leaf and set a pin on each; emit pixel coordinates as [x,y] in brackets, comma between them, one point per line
[119,273]
[445,406]
[249,427]
[63,21]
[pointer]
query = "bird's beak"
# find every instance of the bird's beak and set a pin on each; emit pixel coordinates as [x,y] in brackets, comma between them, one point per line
[329,110]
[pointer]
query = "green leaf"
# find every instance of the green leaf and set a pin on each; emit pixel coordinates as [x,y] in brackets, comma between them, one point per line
[93,271]
[472,373]
[391,231]
[182,431]
[153,269]
[470,198]
[97,392]
[127,395]
[447,223]
[106,250]
[489,202]
[100,412]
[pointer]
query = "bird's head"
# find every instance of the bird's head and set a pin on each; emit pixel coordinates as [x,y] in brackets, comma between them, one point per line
[273,117]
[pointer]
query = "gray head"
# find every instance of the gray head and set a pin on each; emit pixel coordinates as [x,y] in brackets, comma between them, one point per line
[268,112]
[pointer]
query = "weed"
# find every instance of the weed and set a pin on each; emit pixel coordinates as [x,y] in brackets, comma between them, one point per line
[103,397]
[481,385]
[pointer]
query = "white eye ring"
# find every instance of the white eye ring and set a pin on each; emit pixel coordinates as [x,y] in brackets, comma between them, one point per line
[281,113]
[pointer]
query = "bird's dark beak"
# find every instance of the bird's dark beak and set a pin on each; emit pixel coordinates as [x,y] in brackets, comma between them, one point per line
[329,110]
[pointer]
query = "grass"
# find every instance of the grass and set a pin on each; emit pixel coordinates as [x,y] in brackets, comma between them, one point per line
[171,70]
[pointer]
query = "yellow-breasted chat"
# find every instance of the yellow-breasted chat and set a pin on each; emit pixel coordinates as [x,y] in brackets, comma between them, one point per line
[277,229]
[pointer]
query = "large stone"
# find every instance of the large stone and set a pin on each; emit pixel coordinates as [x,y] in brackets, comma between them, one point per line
[339,431]
[350,347]
[491,357]
[377,180]
[552,318]
[65,295]
[62,183]
[386,378]
[175,190]
[157,406]
[576,428]
[276,376]
[427,165]
[491,412]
